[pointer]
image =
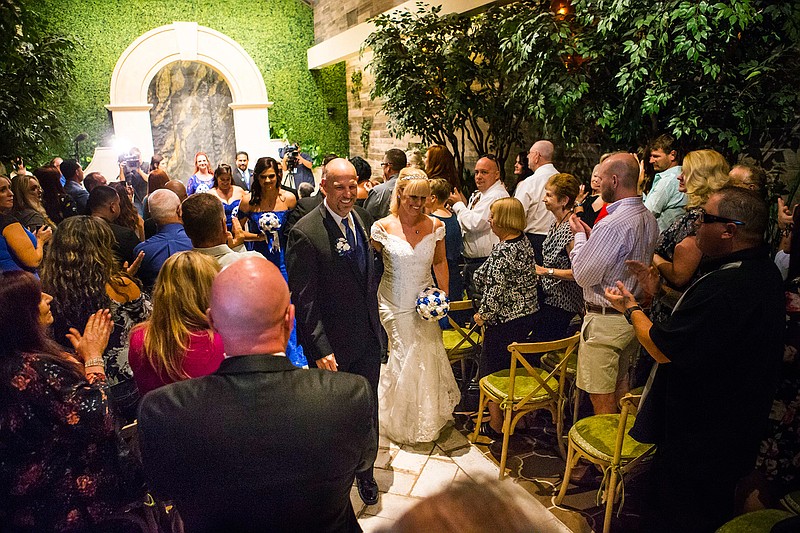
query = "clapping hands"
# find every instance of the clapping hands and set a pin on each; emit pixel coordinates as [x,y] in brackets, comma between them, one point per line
[92,343]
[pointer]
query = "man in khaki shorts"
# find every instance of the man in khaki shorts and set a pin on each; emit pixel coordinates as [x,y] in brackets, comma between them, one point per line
[629,232]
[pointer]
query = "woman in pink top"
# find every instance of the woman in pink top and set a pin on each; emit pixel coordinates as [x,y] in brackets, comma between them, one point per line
[177,342]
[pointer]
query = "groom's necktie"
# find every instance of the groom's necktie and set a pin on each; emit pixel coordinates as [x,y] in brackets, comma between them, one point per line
[348,233]
[353,242]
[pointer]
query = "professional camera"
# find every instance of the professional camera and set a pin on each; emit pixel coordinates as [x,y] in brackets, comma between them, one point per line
[131,160]
[291,152]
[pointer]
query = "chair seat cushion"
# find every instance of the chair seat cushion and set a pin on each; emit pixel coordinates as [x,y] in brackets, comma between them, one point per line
[755,522]
[452,338]
[551,359]
[497,384]
[596,435]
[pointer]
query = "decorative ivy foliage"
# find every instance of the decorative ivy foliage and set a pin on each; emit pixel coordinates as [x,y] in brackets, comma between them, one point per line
[276,34]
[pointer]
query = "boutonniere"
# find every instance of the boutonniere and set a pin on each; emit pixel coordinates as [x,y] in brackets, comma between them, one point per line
[343,247]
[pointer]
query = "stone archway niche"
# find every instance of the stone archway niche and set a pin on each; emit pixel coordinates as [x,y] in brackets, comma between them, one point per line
[188,41]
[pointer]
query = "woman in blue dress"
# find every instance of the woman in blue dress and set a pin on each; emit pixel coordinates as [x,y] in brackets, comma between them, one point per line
[266,210]
[202,180]
[230,194]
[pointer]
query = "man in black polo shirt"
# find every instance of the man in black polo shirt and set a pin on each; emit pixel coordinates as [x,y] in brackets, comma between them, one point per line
[718,358]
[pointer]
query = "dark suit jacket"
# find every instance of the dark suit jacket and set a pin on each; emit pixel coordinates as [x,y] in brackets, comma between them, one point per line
[238,178]
[126,240]
[337,308]
[259,446]
[79,194]
[304,206]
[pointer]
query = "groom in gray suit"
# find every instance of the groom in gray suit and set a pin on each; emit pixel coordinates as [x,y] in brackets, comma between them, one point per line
[333,282]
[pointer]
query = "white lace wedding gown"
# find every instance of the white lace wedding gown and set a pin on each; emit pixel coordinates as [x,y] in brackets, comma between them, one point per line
[417,391]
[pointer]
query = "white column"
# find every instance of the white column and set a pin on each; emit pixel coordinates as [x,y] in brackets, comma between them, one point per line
[132,124]
[251,127]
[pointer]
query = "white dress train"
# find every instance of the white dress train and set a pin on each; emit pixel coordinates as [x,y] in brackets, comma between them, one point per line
[417,391]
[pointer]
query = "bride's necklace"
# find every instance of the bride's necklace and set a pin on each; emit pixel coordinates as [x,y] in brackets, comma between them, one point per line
[412,226]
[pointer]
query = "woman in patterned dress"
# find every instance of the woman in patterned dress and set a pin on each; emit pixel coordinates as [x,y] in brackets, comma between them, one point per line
[505,296]
[59,467]
[563,298]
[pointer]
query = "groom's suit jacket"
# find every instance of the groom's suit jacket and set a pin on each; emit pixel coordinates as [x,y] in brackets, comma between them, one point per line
[336,305]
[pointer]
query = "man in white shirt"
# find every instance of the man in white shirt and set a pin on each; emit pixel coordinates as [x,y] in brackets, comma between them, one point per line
[473,216]
[530,192]
[664,200]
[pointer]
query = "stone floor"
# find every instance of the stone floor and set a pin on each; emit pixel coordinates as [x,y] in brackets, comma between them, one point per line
[406,474]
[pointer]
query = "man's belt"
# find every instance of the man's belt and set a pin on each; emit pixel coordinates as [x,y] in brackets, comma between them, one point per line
[591,308]
[473,260]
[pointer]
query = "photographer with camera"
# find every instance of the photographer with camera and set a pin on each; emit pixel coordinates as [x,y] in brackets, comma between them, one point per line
[131,172]
[298,165]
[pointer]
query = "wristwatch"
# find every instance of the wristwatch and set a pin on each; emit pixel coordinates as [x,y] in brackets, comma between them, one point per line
[550,272]
[629,311]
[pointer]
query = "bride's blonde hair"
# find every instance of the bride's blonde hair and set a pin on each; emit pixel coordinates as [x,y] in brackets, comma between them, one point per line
[412,181]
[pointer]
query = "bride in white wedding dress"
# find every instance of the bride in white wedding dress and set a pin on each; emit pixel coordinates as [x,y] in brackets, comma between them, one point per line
[417,391]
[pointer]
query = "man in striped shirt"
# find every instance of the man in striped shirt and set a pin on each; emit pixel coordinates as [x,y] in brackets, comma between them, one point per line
[608,345]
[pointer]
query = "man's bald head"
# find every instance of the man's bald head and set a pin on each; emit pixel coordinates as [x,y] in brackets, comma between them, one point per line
[164,207]
[248,324]
[540,154]
[626,167]
[340,185]
[545,149]
[177,187]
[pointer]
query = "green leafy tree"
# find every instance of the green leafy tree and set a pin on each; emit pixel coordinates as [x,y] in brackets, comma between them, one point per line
[543,49]
[36,66]
[444,78]
[712,73]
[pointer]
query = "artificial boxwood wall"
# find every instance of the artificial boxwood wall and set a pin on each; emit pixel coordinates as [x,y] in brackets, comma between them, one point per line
[276,34]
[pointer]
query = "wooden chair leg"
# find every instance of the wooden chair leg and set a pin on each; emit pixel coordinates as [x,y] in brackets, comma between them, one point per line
[610,495]
[508,415]
[572,460]
[558,415]
[481,407]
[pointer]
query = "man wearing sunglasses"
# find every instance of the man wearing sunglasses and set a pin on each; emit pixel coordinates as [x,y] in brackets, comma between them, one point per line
[718,354]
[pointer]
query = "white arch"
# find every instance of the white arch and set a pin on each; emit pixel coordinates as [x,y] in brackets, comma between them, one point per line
[188,41]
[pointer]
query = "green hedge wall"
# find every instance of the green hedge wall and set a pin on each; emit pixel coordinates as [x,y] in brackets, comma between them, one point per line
[276,34]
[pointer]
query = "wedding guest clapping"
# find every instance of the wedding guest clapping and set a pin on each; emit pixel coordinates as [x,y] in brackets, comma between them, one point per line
[563,298]
[60,466]
[81,274]
[505,296]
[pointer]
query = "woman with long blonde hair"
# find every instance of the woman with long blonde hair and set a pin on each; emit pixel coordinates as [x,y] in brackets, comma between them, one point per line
[677,256]
[417,392]
[177,342]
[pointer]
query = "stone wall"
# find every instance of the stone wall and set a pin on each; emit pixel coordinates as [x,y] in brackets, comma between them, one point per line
[191,112]
[332,17]
[368,124]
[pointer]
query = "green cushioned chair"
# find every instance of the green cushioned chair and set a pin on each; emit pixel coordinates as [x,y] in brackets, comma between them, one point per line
[755,522]
[523,388]
[603,440]
[463,344]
